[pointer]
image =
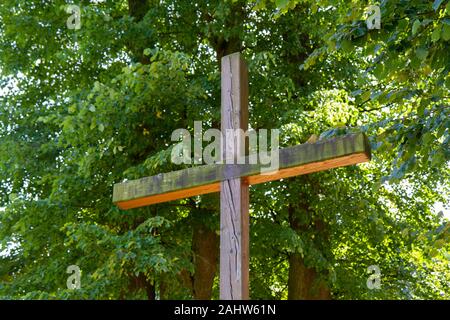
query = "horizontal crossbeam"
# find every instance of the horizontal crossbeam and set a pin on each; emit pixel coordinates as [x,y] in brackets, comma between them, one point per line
[293,161]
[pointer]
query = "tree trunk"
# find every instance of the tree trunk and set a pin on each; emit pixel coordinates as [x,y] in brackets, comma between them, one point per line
[138,9]
[140,282]
[205,246]
[303,283]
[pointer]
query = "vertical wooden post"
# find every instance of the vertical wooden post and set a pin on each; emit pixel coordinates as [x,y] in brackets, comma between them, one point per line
[234,194]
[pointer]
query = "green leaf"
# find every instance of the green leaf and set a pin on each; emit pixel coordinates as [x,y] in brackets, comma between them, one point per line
[416,26]
[438,158]
[445,32]
[12,196]
[437,4]
[365,96]
[436,35]
[346,45]
[427,138]
[421,53]
[147,52]
[281,3]
[72,109]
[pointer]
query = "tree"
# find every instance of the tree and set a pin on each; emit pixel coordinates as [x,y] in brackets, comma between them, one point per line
[83,109]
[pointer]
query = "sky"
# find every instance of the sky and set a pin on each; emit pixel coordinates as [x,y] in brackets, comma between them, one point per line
[439,206]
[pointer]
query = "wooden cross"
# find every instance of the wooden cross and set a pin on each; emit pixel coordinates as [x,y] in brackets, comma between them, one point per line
[233,180]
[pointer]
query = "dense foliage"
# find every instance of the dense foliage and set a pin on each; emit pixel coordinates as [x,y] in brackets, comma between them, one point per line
[82,109]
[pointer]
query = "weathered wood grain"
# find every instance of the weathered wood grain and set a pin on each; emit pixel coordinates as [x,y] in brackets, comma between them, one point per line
[234,197]
[296,160]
